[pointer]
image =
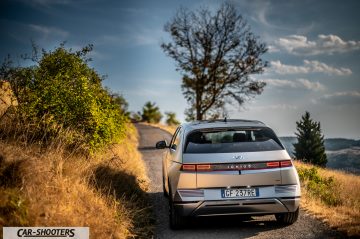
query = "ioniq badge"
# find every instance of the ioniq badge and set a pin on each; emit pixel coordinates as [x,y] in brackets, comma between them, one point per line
[239,157]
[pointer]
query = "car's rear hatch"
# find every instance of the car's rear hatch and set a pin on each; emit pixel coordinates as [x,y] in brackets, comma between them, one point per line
[235,157]
[216,170]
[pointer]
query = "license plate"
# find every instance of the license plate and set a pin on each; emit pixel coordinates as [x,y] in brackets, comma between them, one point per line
[239,193]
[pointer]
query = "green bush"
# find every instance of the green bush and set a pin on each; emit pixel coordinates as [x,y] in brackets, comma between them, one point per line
[62,91]
[324,188]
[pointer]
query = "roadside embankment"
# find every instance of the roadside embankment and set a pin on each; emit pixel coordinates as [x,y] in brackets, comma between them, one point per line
[54,187]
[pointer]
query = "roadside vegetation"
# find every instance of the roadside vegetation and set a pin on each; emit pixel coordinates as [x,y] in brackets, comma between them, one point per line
[328,194]
[68,151]
[332,196]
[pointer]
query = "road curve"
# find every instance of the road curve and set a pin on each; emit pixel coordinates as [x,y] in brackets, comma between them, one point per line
[216,227]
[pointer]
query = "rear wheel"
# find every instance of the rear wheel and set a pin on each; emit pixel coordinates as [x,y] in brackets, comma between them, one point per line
[164,189]
[176,221]
[287,218]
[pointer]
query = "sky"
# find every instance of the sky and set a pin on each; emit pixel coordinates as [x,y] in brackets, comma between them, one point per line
[314,53]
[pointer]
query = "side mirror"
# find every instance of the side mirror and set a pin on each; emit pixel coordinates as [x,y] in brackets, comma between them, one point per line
[161,144]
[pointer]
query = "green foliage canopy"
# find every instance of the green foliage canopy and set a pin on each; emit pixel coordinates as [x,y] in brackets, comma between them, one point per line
[62,91]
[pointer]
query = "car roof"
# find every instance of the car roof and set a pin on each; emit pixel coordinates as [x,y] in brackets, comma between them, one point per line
[223,123]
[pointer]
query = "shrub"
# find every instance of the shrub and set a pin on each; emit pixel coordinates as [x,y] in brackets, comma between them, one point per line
[62,91]
[324,188]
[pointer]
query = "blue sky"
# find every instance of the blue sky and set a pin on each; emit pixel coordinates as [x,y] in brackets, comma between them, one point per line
[314,55]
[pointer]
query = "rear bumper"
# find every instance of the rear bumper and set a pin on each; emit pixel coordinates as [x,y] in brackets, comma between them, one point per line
[261,206]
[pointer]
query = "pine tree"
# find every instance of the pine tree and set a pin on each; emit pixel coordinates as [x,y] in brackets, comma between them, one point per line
[151,113]
[310,146]
[171,119]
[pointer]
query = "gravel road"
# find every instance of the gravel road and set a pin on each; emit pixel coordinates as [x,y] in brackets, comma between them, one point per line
[216,227]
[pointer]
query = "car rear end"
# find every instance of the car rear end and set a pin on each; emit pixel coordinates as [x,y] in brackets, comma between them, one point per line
[229,171]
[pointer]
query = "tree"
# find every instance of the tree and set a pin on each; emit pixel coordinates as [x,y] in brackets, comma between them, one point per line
[151,113]
[310,146]
[216,54]
[171,118]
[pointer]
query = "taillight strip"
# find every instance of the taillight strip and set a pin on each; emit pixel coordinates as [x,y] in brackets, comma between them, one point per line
[237,166]
[286,163]
[188,167]
[273,164]
[203,167]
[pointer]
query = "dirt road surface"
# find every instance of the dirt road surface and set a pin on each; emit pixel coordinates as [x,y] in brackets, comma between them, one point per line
[216,227]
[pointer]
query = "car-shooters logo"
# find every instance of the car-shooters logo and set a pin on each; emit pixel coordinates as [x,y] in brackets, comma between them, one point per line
[45,232]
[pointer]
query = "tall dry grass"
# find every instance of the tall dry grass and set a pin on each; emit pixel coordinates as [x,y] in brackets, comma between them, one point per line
[344,215]
[53,186]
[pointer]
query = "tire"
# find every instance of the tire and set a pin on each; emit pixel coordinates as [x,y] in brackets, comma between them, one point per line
[176,221]
[287,218]
[164,189]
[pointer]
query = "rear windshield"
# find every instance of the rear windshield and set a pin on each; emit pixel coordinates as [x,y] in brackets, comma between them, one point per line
[230,141]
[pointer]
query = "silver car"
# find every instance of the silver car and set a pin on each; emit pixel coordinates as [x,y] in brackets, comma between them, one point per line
[228,167]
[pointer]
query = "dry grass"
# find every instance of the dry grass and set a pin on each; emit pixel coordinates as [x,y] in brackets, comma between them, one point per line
[7,97]
[56,188]
[346,215]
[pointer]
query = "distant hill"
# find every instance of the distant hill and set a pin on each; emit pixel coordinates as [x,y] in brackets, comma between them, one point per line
[343,154]
[339,143]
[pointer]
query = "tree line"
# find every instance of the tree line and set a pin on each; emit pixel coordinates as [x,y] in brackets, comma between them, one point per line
[151,114]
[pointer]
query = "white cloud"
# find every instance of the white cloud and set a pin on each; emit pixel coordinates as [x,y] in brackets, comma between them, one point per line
[48,31]
[309,67]
[324,44]
[272,48]
[296,84]
[315,86]
[340,98]
[140,37]
[274,107]
[280,68]
[317,66]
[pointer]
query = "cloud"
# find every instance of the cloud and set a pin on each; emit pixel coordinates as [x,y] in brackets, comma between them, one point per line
[138,37]
[309,67]
[47,32]
[340,98]
[280,68]
[296,84]
[274,107]
[324,44]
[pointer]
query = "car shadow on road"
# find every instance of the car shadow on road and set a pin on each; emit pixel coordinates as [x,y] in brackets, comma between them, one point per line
[145,148]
